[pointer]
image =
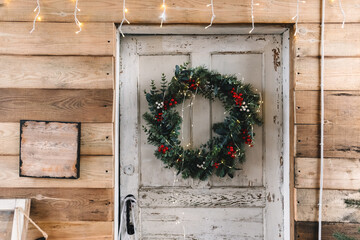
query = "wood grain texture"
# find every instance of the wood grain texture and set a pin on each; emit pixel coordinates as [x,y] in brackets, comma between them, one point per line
[307,107]
[62,204]
[307,42]
[49,149]
[56,72]
[280,11]
[307,139]
[309,230]
[96,139]
[73,230]
[95,172]
[334,208]
[202,223]
[216,197]
[337,70]
[340,141]
[56,39]
[341,107]
[56,105]
[339,173]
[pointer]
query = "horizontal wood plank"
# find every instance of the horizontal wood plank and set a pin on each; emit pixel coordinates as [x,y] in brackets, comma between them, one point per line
[56,72]
[307,107]
[95,172]
[337,70]
[96,139]
[309,230]
[307,141]
[62,204]
[334,208]
[339,173]
[216,197]
[340,141]
[73,230]
[56,39]
[307,42]
[280,11]
[202,223]
[341,107]
[56,105]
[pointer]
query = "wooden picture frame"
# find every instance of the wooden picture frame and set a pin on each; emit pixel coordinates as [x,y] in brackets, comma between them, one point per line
[20,223]
[49,149]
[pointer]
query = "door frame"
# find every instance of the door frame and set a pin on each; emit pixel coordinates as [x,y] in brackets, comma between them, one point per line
[228,29]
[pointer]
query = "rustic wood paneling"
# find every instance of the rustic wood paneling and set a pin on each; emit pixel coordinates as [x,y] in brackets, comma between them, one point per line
[96,139]
[309,230]
[337,70]
[340,141]
[56,72]
[56,105]
[307,140]
[340,107]
[307,106]
[339,173]
[49,149]
[216,197]
[62,11]
[343,141]
[334,207]
[56,39]
[95,172]
[279,11]
[338,41]
[73,230]
[62,204]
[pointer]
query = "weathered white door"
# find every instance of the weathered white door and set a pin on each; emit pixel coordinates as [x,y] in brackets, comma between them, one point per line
[249,206]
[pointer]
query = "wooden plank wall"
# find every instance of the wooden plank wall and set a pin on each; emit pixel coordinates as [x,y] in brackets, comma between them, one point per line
[54,74]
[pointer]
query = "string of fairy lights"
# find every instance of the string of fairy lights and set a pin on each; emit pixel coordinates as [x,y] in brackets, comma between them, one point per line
[163,15]
[38,17]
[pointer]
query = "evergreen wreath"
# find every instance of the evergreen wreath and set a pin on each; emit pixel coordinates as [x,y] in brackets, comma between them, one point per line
[226,149]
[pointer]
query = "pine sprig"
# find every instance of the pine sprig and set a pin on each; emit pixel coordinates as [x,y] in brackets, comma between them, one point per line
[221,154]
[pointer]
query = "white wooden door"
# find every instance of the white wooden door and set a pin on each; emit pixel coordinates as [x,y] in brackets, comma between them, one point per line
[248,206]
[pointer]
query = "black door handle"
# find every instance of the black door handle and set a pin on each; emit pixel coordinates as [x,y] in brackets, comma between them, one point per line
[129,224]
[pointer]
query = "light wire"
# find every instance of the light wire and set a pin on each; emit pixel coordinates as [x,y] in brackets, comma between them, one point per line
[322,116]
[77,22]
[37,15]
[124,19]
[212,12]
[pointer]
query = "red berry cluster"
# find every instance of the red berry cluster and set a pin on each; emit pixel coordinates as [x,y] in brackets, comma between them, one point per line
[237,97]
[159,117]
[247,137]
[163,149]
[168,104]
[231,151]
[216,165]
[192,84]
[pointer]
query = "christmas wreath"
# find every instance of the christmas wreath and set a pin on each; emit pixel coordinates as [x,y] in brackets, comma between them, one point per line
[227,148]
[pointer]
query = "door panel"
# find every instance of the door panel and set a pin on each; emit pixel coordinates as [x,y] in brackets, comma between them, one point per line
[248,206]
